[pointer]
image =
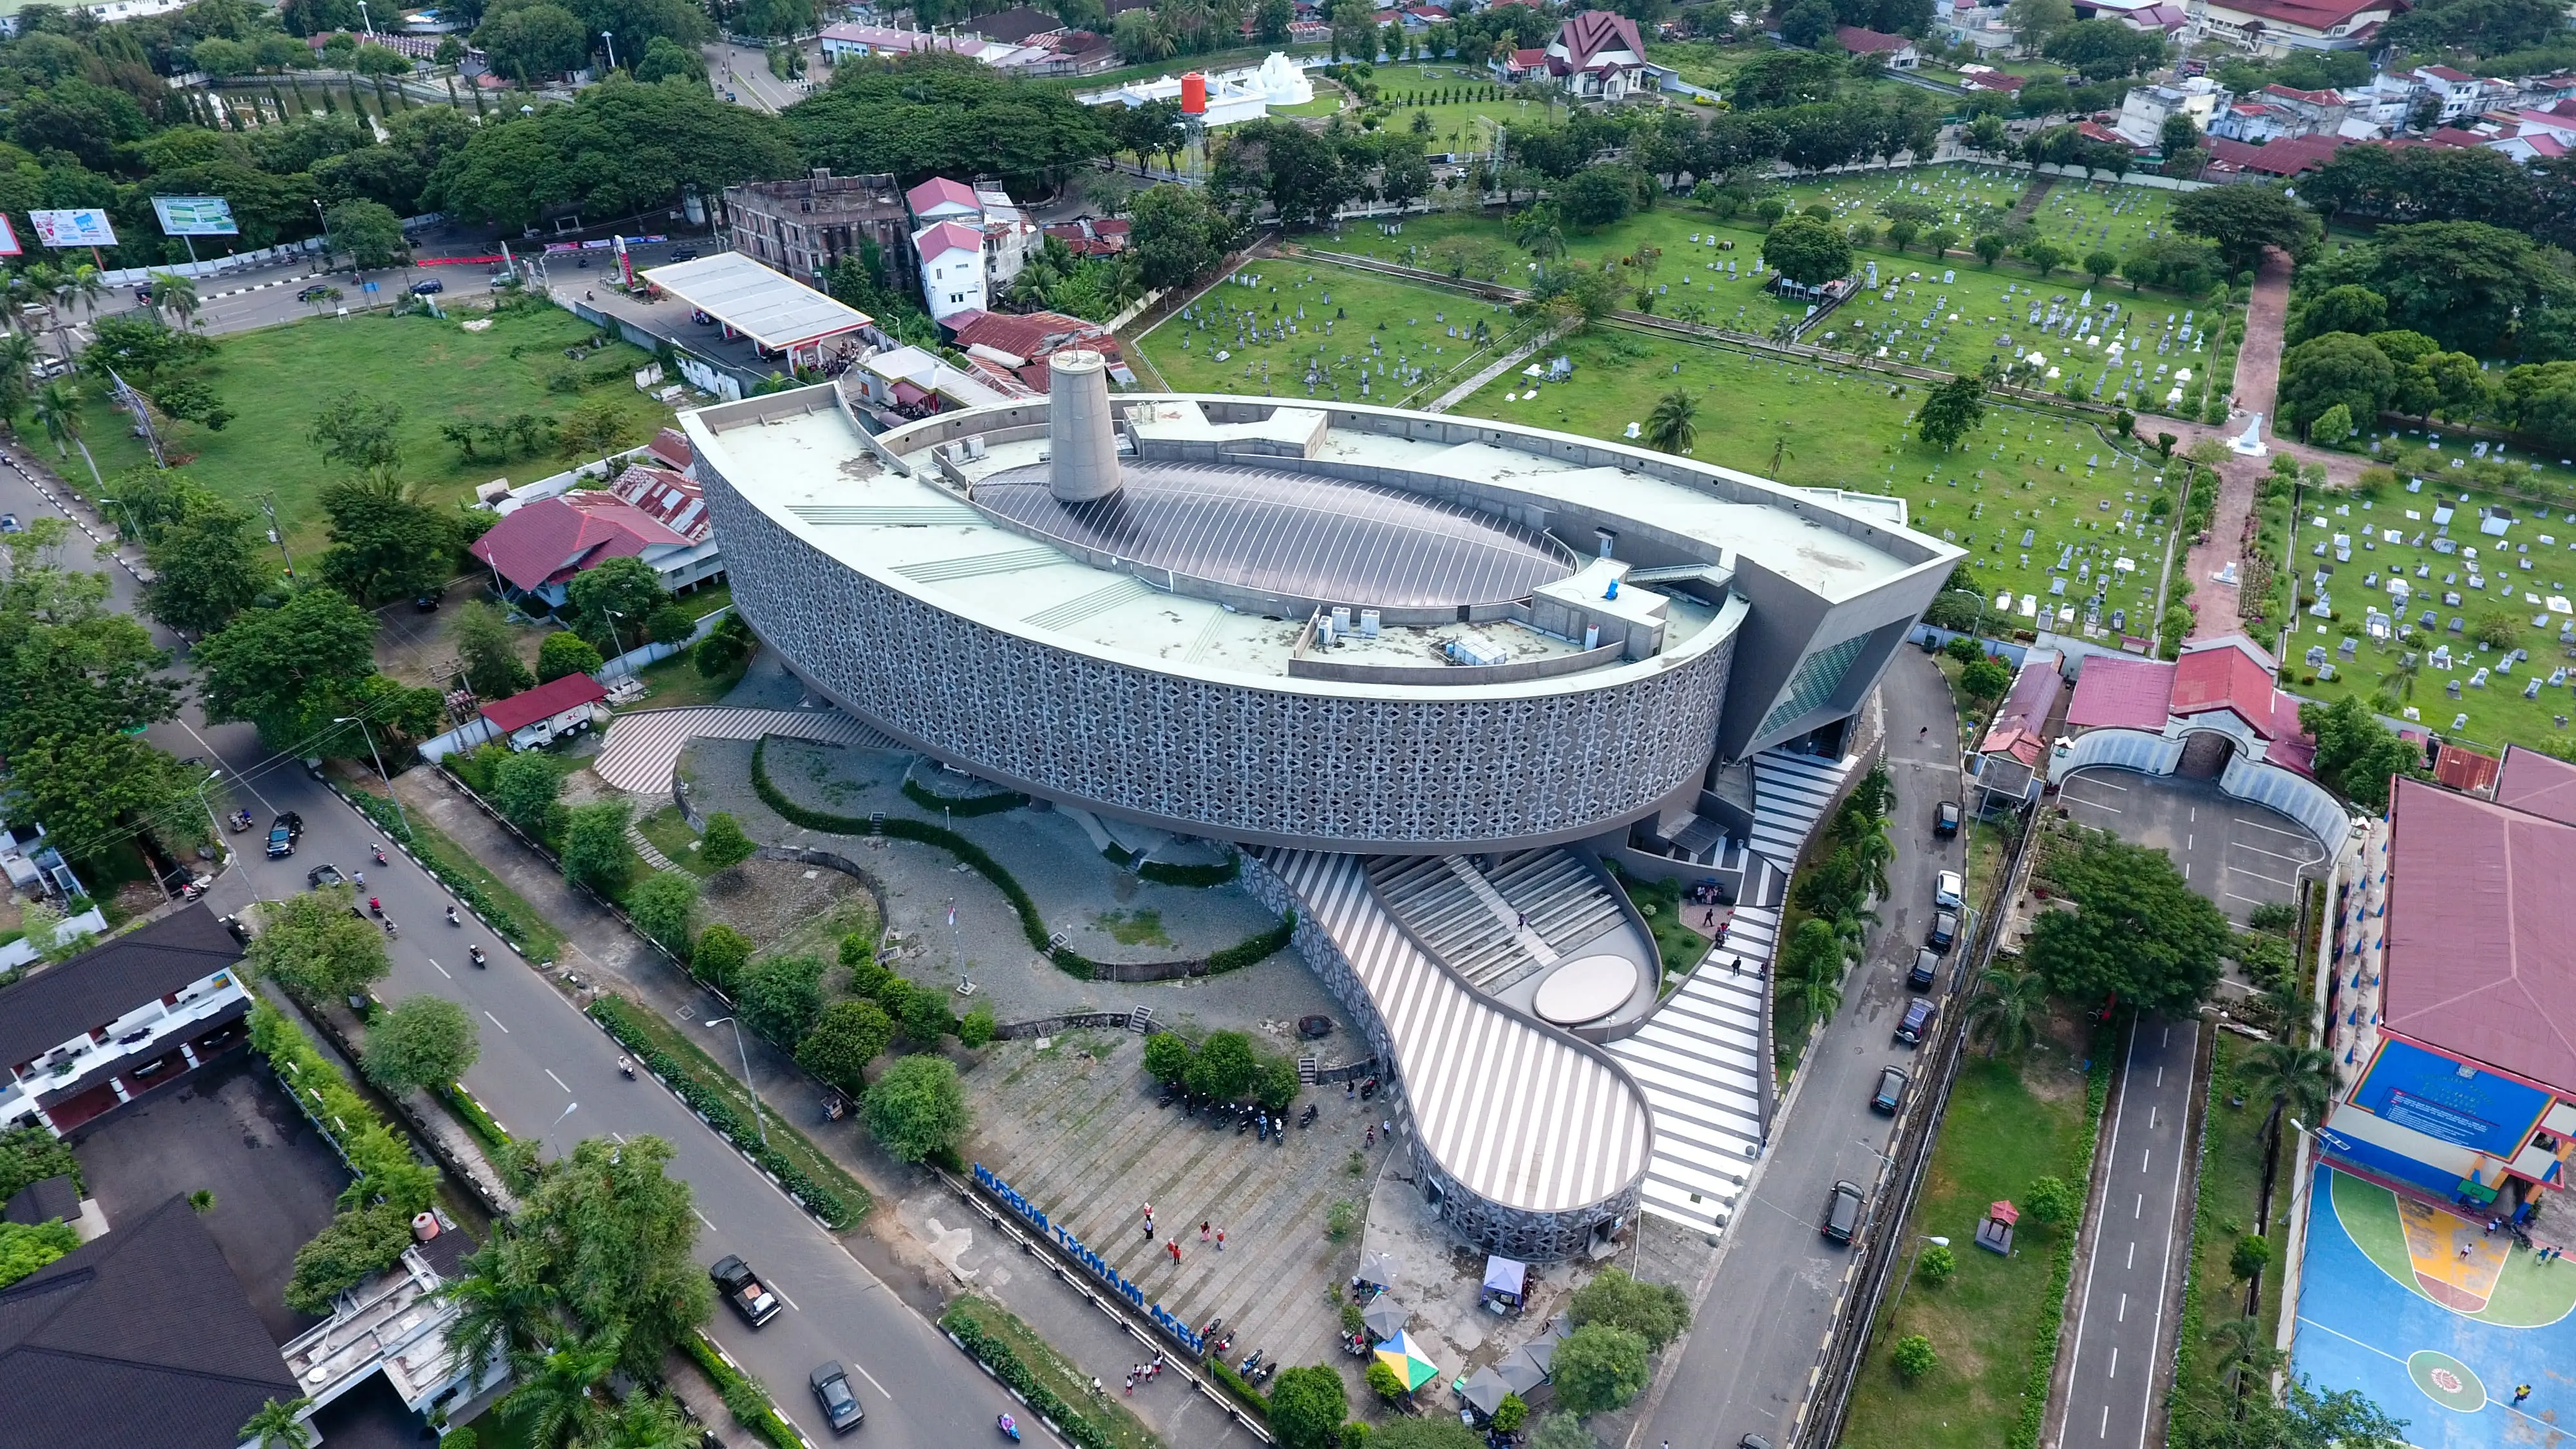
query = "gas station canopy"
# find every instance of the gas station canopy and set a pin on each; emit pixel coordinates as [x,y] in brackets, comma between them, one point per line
[777,312]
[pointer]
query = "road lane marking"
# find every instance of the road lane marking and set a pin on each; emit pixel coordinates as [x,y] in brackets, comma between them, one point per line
[2084,1310]
[2123,1316]
[496,1021]
[2133,1250]
[2258,875]
[2275,829]
[2115,1352]
[783,1298]
[433,961]
[621,1141]
[2143,1159]
[2106,1422]
[2160,1077]
[2187,839]
[2276,855]
[2141,1207]
[550,1076]
[872,1381]
[702,1217]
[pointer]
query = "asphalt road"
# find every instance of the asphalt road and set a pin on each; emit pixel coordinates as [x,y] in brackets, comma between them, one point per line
[741,74]
[546,1071]
[1744,1371]
[2240,855]
[2121,1332]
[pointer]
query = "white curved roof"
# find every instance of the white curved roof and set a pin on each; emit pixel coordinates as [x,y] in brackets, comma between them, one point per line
[1518,1114]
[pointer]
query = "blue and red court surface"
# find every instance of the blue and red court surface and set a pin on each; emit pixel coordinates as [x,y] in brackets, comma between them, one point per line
[2433,1319]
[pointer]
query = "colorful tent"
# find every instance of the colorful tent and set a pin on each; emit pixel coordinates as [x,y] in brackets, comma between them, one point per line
[1406,1358]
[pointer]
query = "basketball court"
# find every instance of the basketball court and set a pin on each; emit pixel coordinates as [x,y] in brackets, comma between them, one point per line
[2433,1319]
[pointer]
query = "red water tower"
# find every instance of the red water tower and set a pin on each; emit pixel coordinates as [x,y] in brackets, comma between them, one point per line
[1194,94]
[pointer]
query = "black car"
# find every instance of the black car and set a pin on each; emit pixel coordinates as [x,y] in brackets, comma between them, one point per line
[1945,819]
[1842,1213]
[1927,968]
[1918,1020]
[314,293]
[324,876]
[240,932]
[742,1288]
[684,254]
[428,287]
[425,604]
[1945,931]
[1892,1082]
[282,835]
[1752,1441]
[840,1403]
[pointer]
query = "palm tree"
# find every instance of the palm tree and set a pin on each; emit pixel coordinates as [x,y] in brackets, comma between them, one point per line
[276,1426]
[176,295]
[1671,428]
[1779,449]
[558,1397]
[2292,1076]
[2241,1348]
[86,284]
[648,1423]
[18,358]
[58,408]
[506,1308]
[2004,1012]
[1811,969]
[2287,1005]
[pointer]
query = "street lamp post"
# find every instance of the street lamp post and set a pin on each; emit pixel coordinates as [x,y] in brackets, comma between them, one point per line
[220,850]
[607,35]
[747,1084]
[327,248]
[1909,1271]
[361,722]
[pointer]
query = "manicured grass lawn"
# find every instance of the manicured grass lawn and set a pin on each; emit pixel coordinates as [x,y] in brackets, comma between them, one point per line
[675,681]
[277,379]
[2231,1169]
[1828,425]
[2502,580]
[1705,62]
[2007,1125]
[672,836]
[1346,312]
[1070,1383]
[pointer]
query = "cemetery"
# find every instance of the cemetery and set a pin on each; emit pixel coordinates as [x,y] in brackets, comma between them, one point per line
[1294,328]
[2448,607]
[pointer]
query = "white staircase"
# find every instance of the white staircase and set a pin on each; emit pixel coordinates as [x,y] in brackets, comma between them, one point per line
[1700,1064]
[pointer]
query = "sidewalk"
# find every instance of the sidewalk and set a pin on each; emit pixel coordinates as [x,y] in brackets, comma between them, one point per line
[2258,375]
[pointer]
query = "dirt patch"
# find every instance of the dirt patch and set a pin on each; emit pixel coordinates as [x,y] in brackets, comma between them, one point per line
[782,906]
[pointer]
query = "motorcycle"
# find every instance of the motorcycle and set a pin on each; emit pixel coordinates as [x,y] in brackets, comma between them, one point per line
[378,851]
[477,953]
[391,930]
[239,822]
[451,917]
[1010,1428]
[1249,1363]
[1368,1089]
[375,908]
[196,886]
[626,1069]
[1306,1118]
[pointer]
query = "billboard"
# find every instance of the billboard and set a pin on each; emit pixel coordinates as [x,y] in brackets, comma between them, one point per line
[9,246]
[2449,1100]
[80,227]
[195,216]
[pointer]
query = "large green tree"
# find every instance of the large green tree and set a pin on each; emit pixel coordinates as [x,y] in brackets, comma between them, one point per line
[1952,410]
[595,852]
[2138,930]
[2467,285]
[917,1109]
[612,601]
[1176,234]
[288,670]
[1307,1407]
[848,1036]
[1599,1368]
[423,1041]
[2335,370]
[621,146]
[1806,250]
[1655,1312]
[2356,754]
[205,570]
[385,543]
[315,943]
[781,996]
[2241,221]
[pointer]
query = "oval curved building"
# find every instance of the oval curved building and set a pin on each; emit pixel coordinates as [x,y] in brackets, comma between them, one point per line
[1426,670]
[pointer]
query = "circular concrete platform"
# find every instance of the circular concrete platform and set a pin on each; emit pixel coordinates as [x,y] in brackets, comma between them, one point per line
[1585,989]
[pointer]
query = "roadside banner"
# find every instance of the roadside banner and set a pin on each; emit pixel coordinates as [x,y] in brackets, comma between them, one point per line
[9,246]
[77,227]
[195,216]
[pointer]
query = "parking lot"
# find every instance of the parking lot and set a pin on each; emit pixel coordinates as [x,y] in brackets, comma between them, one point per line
[2239,855]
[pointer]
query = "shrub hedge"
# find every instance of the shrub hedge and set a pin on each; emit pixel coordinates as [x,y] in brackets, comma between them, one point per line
[969,806]
[709,1101]
[374,1225]
[1163,872]
[996,1355]
[738,1389]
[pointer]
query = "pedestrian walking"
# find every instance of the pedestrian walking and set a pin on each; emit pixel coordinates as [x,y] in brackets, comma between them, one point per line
[2521,1393]
[1220,1240]
[1369,1139]
[1149,1212]
[1175,1250]
[2465,1250]
[1203,1230]
[1149,1230]
[1131,1384]
[1095,1386]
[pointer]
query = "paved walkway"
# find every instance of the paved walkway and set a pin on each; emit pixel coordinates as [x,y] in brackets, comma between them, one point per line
[641,749]
[2258,376]
[1701,1062]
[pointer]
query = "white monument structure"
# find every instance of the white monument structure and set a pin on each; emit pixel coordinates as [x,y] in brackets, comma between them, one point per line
[1233,96]
[2250,444]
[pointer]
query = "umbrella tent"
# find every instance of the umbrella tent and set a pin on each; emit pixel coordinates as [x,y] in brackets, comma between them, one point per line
[1521,1373]
[1385,1318]
[1485,1392]
[1542,1351]
[1505,1278]
[1377,1269]
[1412,1367]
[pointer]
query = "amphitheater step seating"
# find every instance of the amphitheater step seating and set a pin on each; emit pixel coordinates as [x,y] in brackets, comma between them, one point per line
[1700,1063]
[1790,794]
[1496,928]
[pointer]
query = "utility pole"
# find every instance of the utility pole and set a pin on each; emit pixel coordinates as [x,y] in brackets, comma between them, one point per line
[276,535]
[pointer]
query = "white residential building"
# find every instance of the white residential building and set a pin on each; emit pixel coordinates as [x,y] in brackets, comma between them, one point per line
[952,268]
[119,1020]
[2145,109]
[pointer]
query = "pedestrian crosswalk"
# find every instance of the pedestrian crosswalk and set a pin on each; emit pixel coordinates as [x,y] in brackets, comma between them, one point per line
[1700,1064]
[641,749]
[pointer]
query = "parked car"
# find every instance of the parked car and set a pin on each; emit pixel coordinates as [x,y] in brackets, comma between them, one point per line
[1892,1082]
[1918,1020]
[1945,819]
[283,833]
[324,876]
[832,1390]
[239,931]
[425,604]
[1927,967]
[1948,891]
[1945,930]
[1752,1441]
[742,1288]
[1842,1212]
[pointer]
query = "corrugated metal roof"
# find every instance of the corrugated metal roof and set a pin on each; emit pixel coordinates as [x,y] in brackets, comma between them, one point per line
[772,310]
[2114,693]
[2537,784]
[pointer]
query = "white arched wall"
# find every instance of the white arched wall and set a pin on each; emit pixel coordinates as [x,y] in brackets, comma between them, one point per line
[2245,778]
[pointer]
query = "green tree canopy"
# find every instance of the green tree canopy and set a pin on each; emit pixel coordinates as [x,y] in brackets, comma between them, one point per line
[488,649]
[612,600]
[1599,1368]
[2241,221]
[2356,754]
[2331,371]
[1952,410]
[935,113]
[1655,1312]
[595,852]
[1175,234]
[621,146]
[848,1036]
[385,544]
[423,1041]
[1806,250]
[1225,1066]
[368,230]
[314,943]
[2138,930]
[780,997]
[660,906]
[565,652]
[288,670]
[917,1109]
[724,844]
[1307,1407]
